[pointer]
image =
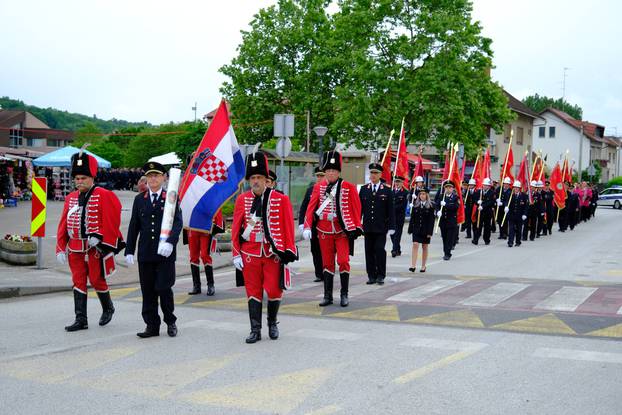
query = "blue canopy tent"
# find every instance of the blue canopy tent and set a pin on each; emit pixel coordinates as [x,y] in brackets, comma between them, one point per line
[62,158]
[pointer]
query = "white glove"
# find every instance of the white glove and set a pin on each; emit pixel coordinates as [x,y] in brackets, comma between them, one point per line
[479,202]
[165,249]
[61,257]
[499,202]
[541,214]
[523,217]
[301,228]
[306,234]
[129,259]
[506,209]
[238,263]
[412,205]
[443,203]
[391,232]
[93,240]
[439,213]
[480,207]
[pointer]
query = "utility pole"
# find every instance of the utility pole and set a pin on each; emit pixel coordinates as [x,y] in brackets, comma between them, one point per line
[195,111]
[580,153]
[564,84]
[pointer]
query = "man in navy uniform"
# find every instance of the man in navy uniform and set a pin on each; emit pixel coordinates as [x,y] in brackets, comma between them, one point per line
[315,242]
[447,212]
[468,198]
[400,198]
[502,202]
[156,264]
[378,217]
[485,199]
[516,214]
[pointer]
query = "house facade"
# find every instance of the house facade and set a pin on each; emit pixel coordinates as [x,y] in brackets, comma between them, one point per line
[22,130]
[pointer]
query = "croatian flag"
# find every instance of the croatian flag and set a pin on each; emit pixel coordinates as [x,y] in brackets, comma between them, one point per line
[213,175]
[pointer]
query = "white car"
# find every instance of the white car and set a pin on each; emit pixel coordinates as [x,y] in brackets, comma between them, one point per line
[611,197]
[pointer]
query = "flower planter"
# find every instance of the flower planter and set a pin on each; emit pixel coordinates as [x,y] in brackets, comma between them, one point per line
[224,242]
[18,253]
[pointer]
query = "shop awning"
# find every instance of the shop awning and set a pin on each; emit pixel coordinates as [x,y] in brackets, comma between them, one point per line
[62,158]
[168,159]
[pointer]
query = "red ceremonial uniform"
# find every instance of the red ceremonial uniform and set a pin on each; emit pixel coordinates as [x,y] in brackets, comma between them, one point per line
[336,223]
[199,243]
[270,243]
[94,213]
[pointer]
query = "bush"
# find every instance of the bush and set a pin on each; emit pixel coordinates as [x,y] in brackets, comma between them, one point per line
[616,181]
[227,209]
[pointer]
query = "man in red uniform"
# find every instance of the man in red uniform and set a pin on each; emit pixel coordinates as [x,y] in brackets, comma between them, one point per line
[89,232]
[335,211]
[262,238]
[200,246]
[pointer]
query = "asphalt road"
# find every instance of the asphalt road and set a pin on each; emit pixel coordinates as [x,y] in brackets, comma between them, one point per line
[529,330]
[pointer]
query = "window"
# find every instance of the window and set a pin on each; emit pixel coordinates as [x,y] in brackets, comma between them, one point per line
[16,138]
[541,132]
[506,133]
[519,135]
[551,132]
[35,142]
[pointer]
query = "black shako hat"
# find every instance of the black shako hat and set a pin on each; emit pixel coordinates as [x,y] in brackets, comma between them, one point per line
[257,163]
[331,160]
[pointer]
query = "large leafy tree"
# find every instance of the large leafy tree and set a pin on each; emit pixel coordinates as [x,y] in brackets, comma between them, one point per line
[281,68]
[539,103]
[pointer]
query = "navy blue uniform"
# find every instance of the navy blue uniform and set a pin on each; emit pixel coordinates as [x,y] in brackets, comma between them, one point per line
[448,221]
[486,215]
[378,217]
[518,206]
[400,199]
[503,229]
[468,198]
[157,273]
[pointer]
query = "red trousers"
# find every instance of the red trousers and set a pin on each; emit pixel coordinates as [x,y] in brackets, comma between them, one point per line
[87,264]
[331,244]
[262,273]
[199,245]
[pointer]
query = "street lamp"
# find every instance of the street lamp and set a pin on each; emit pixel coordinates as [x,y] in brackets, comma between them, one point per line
[320,131]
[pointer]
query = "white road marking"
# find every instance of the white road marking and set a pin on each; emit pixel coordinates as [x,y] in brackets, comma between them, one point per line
[581,355]
[360,289]
[494,295]
[326,334]
[418,294]
[443,344]
[566,299]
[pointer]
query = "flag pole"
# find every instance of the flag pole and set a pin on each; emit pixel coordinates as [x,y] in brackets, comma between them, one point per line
[503,173]
[397,155]
[451,166]
[386,150]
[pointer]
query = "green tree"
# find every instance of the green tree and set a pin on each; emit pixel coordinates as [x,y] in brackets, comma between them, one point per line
[89,133]
[188,141]
[109,151]
[281,67]
[539,103]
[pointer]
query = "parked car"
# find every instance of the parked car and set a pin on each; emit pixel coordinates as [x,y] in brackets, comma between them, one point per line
[611,197]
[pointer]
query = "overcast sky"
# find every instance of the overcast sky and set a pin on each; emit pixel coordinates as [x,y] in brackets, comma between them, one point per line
[151,60]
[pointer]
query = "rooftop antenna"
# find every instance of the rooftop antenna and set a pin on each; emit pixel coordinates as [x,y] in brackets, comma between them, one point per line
[564,84]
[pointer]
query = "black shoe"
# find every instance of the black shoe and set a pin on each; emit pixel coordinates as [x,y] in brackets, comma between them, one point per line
[344,300]
[107,308]
[79,303]
[171,330]
[211,290]
[500,237]
[318,279]
[393,254]
[149,332]
[517,243]
[474,242]
[370,282]
[446,257]
[325,302]
[273,309]
[380,281]
[412,269]
[253,337]
[422,270]
[328,289]
[487,242]
[196,280]
[399,253]
[510,245]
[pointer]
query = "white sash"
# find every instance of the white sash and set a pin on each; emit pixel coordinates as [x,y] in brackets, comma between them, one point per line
[329,198]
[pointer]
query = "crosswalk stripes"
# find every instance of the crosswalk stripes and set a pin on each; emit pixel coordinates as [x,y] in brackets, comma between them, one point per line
[425,291]
[494,295]
[566,299]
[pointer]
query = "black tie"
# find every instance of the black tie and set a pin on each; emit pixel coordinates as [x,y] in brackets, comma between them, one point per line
[155,198]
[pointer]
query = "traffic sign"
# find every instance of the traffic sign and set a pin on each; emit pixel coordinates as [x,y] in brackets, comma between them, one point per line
[39,199]
[283,147]
[283,125]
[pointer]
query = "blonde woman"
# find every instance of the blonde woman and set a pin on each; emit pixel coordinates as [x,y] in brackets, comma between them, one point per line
[421,227]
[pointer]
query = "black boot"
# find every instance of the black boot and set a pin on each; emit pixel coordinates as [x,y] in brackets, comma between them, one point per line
[345,281]
[254,312]
[209,275]
[328,289]
[79,302]
[107,308]
[273,309]
[196,279]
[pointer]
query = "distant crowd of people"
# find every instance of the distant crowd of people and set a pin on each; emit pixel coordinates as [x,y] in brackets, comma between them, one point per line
[119,179]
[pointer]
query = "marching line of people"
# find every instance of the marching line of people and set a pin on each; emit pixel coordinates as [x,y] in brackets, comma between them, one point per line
[332,216]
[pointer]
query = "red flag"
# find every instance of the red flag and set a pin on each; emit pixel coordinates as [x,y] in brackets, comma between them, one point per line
[557,185]
[522,174]
[537,169]
[507,166]
[477,174]
[447,161]
[464,162]
[486,165]
[568,175]
[418,169]
[386,166]
[401,160]
[455,178]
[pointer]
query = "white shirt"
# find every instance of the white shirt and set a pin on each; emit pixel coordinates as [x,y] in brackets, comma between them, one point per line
[154,193]
[374,187]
